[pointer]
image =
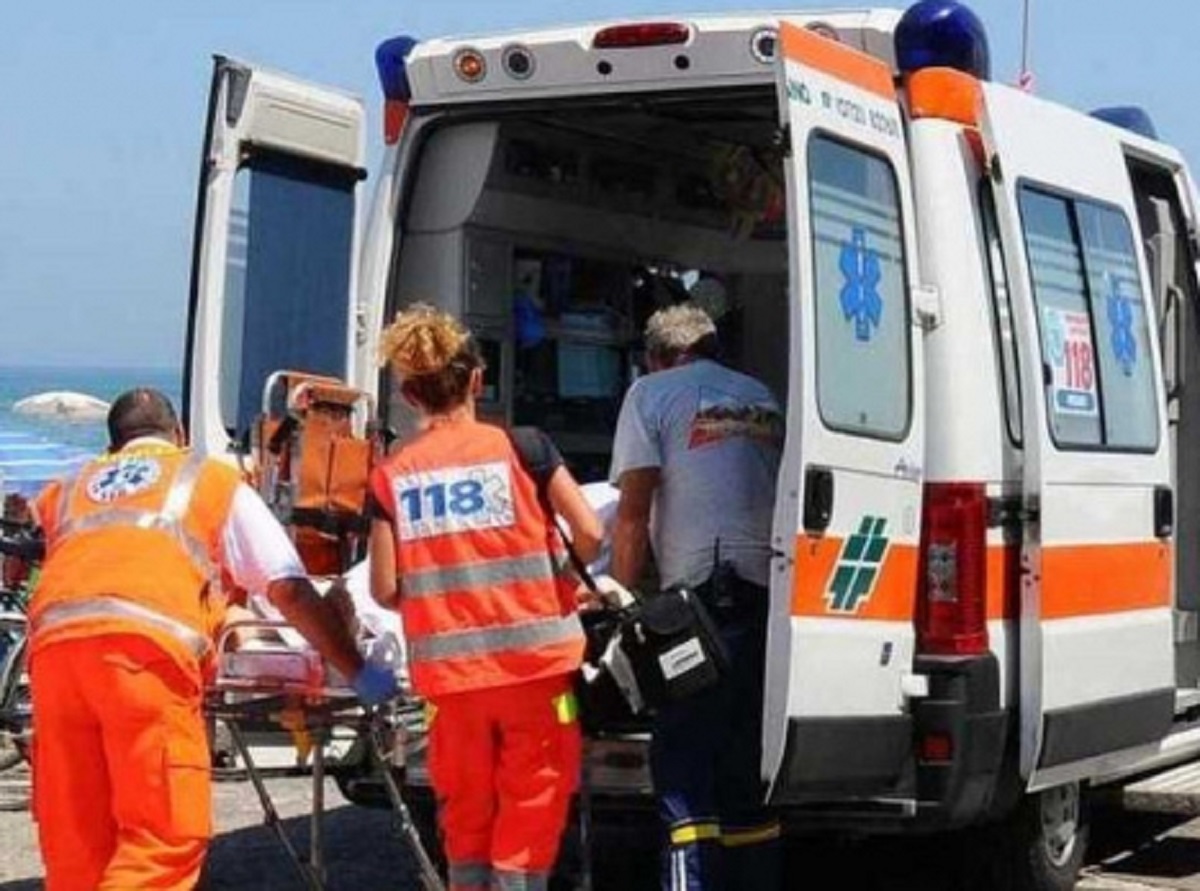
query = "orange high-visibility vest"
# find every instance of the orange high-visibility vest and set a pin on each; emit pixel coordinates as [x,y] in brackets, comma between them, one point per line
[132,547]
[485,596]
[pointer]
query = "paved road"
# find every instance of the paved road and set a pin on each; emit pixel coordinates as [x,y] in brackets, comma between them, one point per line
[1130,852]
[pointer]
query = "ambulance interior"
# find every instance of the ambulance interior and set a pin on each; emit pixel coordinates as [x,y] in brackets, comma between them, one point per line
[1171,261]
[557,233]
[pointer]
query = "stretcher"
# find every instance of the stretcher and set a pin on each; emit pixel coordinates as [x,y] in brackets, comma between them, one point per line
[289,686]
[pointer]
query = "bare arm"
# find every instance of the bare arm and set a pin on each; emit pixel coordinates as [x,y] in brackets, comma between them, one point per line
[318,620]
[382,552]
[569,502]
[631,532]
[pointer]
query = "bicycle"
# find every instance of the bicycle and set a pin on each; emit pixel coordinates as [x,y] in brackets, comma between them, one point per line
[17,543]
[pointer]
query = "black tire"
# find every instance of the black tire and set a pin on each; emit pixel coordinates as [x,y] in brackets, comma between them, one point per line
[1040,847]
[364,789]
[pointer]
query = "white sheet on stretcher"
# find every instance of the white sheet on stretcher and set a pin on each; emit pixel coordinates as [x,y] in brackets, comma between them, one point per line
[380,634]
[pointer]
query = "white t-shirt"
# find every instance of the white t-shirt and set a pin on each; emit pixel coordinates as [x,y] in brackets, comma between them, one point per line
[602,497]
[716,436]
[255,549]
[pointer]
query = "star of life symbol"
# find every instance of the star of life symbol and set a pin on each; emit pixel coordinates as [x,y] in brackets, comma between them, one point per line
[122,479]
[860,297]
[1120,321]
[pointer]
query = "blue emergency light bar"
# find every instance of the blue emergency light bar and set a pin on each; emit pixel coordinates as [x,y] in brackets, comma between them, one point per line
[1128,117]
[391,61]
[942,34]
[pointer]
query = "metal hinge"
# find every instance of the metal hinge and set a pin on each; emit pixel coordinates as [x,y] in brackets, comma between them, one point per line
[1009,512]
[995,168]
[783,139]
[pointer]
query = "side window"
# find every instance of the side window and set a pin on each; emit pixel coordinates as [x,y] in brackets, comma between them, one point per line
[863,376]
[287,277]
[1092,322]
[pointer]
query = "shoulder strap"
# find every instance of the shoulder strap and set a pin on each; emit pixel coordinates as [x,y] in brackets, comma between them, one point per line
[530,446]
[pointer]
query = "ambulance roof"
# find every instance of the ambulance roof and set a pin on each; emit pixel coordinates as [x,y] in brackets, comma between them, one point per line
[719,50]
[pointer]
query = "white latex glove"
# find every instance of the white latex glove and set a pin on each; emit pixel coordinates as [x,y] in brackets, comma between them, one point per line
[610,593]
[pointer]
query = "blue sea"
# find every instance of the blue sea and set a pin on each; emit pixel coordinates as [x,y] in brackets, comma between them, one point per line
[34,449]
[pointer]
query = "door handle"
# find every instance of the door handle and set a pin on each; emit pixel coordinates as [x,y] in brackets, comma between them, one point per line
[1164,512]
[818,499]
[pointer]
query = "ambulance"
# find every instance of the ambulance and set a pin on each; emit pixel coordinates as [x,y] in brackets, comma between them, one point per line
[977,306]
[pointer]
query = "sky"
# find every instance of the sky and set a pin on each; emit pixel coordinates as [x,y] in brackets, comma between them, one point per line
[102,107]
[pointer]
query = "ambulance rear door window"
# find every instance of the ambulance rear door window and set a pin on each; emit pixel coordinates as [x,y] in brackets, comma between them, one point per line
[287,278]
[1092,323]
[863,375]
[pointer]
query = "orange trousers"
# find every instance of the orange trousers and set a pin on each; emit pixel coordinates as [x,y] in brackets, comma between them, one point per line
[504,763]
[121,771]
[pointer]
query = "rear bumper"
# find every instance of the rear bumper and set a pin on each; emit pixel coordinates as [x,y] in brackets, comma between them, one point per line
[964,706]
[868,775]
[853,774]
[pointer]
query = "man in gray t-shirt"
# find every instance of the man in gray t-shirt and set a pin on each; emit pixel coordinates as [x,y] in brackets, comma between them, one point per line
[695,459]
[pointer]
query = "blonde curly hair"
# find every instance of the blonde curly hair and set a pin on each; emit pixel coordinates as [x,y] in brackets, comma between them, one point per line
[432,353]
[422,340]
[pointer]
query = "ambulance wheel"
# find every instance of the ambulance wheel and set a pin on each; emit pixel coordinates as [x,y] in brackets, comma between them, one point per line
[1043,845]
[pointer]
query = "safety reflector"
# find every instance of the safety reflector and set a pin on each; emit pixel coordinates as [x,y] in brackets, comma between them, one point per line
[937,747]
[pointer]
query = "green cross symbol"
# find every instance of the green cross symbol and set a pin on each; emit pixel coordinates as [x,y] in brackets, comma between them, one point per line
[858,566]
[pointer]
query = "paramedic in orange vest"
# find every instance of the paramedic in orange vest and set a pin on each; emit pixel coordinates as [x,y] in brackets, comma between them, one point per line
[463,541]
[121,623]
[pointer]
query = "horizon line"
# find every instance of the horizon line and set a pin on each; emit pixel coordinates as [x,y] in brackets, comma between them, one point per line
[43,366]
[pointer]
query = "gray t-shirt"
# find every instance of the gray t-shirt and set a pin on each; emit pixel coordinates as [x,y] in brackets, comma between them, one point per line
[716,436]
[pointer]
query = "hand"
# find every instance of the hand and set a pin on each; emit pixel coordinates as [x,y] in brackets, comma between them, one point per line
[587,600]
[375,683]
[609,593]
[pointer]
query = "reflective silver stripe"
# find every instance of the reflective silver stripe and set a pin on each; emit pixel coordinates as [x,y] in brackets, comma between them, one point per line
[428,582]
[169,519]
[470,875]
[522,881]
[476,642]
[61,614]
[180,494]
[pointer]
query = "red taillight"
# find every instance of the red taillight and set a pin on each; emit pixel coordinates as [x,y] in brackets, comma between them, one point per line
[952,607]
[936,747]
[646,34]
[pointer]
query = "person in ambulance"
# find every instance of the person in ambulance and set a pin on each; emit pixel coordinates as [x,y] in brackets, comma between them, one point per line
[122,621]
[463,540]
[695,457]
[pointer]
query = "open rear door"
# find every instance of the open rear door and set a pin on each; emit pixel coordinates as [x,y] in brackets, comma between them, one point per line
[848,512]
[273,264]
[1096,675]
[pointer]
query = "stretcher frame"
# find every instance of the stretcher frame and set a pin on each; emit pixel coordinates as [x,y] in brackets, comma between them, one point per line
[236,700]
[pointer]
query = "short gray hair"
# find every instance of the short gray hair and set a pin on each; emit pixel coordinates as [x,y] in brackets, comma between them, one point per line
[679,329]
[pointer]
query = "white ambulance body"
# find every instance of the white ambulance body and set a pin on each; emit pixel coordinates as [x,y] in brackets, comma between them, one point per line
[978,307]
